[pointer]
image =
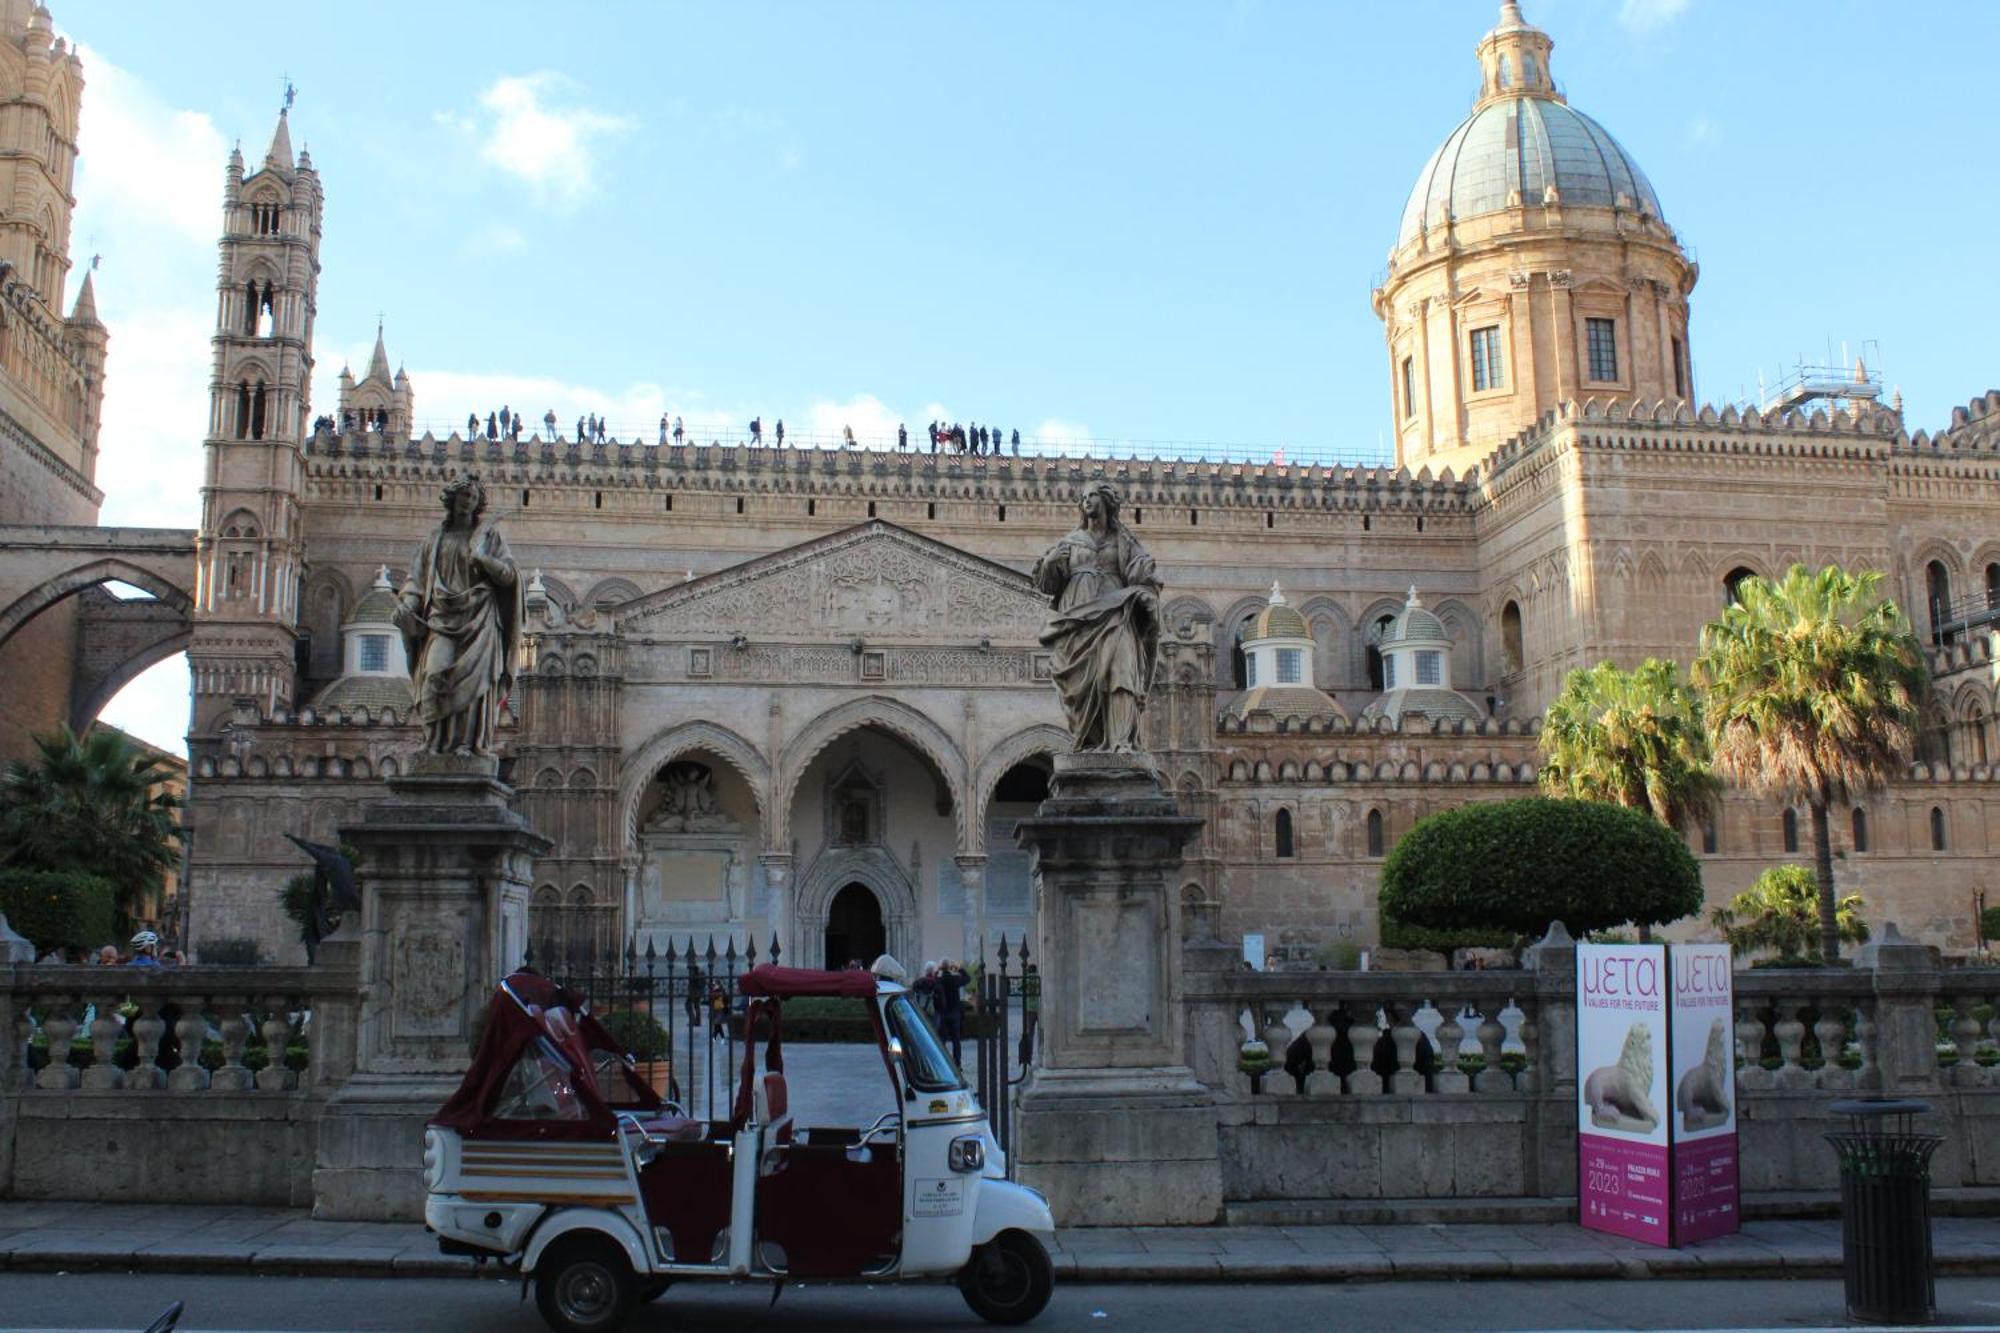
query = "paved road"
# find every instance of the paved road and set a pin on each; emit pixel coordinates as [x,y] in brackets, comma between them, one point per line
[125,1302]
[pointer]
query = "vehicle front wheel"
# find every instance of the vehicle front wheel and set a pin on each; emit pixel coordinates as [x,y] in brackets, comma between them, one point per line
[585,1285]
[1008,1279]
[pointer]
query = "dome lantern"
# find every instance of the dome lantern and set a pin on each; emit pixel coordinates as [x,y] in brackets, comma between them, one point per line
[1514,59]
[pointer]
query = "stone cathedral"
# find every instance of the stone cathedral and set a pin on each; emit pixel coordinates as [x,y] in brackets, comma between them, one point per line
[799,694]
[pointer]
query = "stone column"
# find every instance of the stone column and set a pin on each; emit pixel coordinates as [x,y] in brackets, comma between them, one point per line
[972,924]
[445,872]
[1114,1127]
[1906,990]
[1552,1110]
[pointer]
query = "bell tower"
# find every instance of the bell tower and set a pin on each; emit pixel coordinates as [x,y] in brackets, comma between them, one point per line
[250,552]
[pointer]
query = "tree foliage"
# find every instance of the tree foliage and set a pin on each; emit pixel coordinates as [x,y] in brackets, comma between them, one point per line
[58,909]
[1634,738]
[1780,912]
[1810,687]
[1515,866]
[92,805]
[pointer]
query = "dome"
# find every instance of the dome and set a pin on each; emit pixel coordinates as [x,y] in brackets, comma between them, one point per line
[373,692]
[1278,620]
[377,608]
[1511,151]
[1415,625]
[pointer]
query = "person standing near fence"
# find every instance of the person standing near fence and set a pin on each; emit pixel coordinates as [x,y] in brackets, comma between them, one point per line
[951,980]
[718,1012]
[697,997]
[1031,1011]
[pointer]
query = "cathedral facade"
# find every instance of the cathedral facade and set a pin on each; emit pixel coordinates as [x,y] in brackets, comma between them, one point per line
[800,694]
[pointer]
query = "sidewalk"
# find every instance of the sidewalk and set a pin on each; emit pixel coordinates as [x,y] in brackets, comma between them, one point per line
[168,1238]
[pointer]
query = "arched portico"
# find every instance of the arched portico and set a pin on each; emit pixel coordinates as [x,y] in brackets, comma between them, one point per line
[1042,739]
[645,763]
[879,712]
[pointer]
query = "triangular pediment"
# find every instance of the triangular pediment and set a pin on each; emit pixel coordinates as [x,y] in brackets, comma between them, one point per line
[875,581]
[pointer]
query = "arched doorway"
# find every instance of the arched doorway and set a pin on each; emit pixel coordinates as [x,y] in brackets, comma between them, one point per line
[854,928]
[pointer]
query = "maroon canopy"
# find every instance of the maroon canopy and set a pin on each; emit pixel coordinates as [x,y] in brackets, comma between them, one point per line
[518,1019]
[787,983]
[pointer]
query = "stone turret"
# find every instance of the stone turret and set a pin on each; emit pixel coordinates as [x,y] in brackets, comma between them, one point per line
[1279,669]
[1416,671]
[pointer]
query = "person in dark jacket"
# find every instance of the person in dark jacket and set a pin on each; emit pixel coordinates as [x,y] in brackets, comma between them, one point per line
[951,983]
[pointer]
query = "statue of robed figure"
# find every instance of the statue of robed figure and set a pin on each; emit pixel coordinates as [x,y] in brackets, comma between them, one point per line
[461,614]
[1104,637]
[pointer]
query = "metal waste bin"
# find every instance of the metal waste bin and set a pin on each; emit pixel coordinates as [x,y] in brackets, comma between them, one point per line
[1885,1210]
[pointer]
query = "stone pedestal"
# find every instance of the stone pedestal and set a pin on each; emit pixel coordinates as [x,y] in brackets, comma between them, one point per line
[1113,1126]
[445,874]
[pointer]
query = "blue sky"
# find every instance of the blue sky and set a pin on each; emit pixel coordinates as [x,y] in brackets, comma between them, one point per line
[1107,223]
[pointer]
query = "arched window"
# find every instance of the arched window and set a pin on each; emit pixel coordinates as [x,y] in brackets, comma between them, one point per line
[1375,833]
[1239,664]
[1378,674]
[1284,835]
[1937,595]
[1993,587]
[1975,736]
[1791,822]
[1512,656]
[1506,73]
[1860,829]
[1732,584]
[1937,828]
[1708,839]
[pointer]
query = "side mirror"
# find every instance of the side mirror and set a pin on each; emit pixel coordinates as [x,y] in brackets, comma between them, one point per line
[902,1069]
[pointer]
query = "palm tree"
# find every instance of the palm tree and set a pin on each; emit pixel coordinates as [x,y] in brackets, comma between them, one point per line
[93,804]
[1780,912]
[1811,687]
[1634,738]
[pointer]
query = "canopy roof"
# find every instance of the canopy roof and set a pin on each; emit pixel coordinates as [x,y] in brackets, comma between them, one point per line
[786,983]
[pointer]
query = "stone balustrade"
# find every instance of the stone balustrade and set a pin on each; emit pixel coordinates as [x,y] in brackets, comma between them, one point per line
[99,1128]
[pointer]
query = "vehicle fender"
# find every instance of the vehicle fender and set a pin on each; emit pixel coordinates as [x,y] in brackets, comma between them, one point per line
[1007,1206]
[568,1221]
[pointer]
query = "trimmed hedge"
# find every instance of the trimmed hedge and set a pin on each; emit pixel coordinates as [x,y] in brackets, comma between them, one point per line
[1512,867]
[59,909]
[638,1032]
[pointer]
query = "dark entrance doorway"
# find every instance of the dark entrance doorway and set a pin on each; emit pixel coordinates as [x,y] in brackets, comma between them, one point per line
[854,927]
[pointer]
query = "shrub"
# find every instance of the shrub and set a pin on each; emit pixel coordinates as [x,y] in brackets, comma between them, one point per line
[1989,925]
[59,909]
[637,1031]
[1780,912]
[1401,935]
[1511,867]
[232,951]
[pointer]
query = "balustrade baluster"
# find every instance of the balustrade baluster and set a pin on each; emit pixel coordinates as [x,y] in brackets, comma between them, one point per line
[234,1024]
[1790,1030]
[103,1074]
[1492,1037]
[1450,1079]
[1830,1031]
[1751,1076]
[60,1024]
[191,1031]
[1868,1078]
[1321,1081]
[1530,1079]
[15,1035]
[1277,1081]
[1965,1037]
[277,1029]
[1361,1035]
[147,1029]
[1404,1080]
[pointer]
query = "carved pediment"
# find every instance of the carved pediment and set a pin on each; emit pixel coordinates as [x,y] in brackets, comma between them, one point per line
[875,581]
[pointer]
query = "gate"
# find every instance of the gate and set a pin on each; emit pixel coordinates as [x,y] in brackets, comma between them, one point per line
[1007,1025]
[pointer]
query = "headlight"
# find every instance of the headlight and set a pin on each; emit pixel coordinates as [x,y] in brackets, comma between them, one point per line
[433,1160]
[967,1153]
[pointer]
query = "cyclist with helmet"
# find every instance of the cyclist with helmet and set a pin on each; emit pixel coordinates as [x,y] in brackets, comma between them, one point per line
[145,950]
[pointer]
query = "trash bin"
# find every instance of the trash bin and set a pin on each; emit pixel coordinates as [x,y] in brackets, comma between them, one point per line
[1885,1210]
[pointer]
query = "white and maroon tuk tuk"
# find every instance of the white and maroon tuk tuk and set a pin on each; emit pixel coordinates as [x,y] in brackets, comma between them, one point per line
[554,1157]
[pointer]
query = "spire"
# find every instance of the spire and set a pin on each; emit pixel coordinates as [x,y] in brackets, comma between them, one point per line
[1514,59]
[86,301]
[280,155]
[1415,600]
[378,360]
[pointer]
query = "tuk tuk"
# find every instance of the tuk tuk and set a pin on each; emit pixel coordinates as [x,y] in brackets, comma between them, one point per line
[555,1158]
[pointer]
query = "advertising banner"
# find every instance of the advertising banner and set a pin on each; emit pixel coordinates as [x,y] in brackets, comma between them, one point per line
[1623,1183]
[1701,1031]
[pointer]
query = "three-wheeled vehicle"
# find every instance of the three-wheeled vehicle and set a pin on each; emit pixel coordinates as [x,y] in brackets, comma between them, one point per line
[554,1157]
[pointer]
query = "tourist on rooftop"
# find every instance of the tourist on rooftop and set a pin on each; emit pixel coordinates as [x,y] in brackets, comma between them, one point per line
[756,430]
[847,437]
[579,428]
[663,427]
[902,437]
[471,425]
[781,432]
[1016,442]
[550,422]
[677,430]
[506,419]
[492,427]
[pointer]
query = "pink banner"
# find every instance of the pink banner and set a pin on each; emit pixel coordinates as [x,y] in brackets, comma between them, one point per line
[1622,1188]
[1705,1200]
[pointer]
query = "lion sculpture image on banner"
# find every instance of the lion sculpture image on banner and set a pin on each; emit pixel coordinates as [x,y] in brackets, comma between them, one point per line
[1703,1096]
[1620,1095]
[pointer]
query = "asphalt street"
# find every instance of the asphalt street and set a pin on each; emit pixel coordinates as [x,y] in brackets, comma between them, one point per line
[127,1303]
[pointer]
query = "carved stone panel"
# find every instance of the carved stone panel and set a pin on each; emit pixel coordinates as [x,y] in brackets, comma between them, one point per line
[427,978]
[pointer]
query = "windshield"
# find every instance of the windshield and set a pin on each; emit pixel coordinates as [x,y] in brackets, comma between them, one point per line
[924,1058]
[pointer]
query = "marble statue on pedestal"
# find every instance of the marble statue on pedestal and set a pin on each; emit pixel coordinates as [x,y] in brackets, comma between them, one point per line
[1105,634]
[461,612]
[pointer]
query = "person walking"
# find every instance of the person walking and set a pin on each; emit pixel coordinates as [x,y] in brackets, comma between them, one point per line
[697,996]
[951,982]
[579,430]
[718,1012]
[756,430]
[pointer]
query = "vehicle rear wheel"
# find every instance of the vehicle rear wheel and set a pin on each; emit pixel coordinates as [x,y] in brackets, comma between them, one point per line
[1008,1279]
[585,1285]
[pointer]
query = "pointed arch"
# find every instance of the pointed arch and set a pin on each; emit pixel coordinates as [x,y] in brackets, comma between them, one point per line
[110,569]
[1468,656]
[907,724]
[644,763]
[1042,738]
[1229,667]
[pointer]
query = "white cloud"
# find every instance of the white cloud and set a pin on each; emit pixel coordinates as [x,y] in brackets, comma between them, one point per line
[1650,15]
[494,237]
[521,131]
[873,422]
[1056,436]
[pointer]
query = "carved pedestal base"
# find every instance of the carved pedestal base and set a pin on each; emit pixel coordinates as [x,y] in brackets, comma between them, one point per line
[445,874]
[1113,1126]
